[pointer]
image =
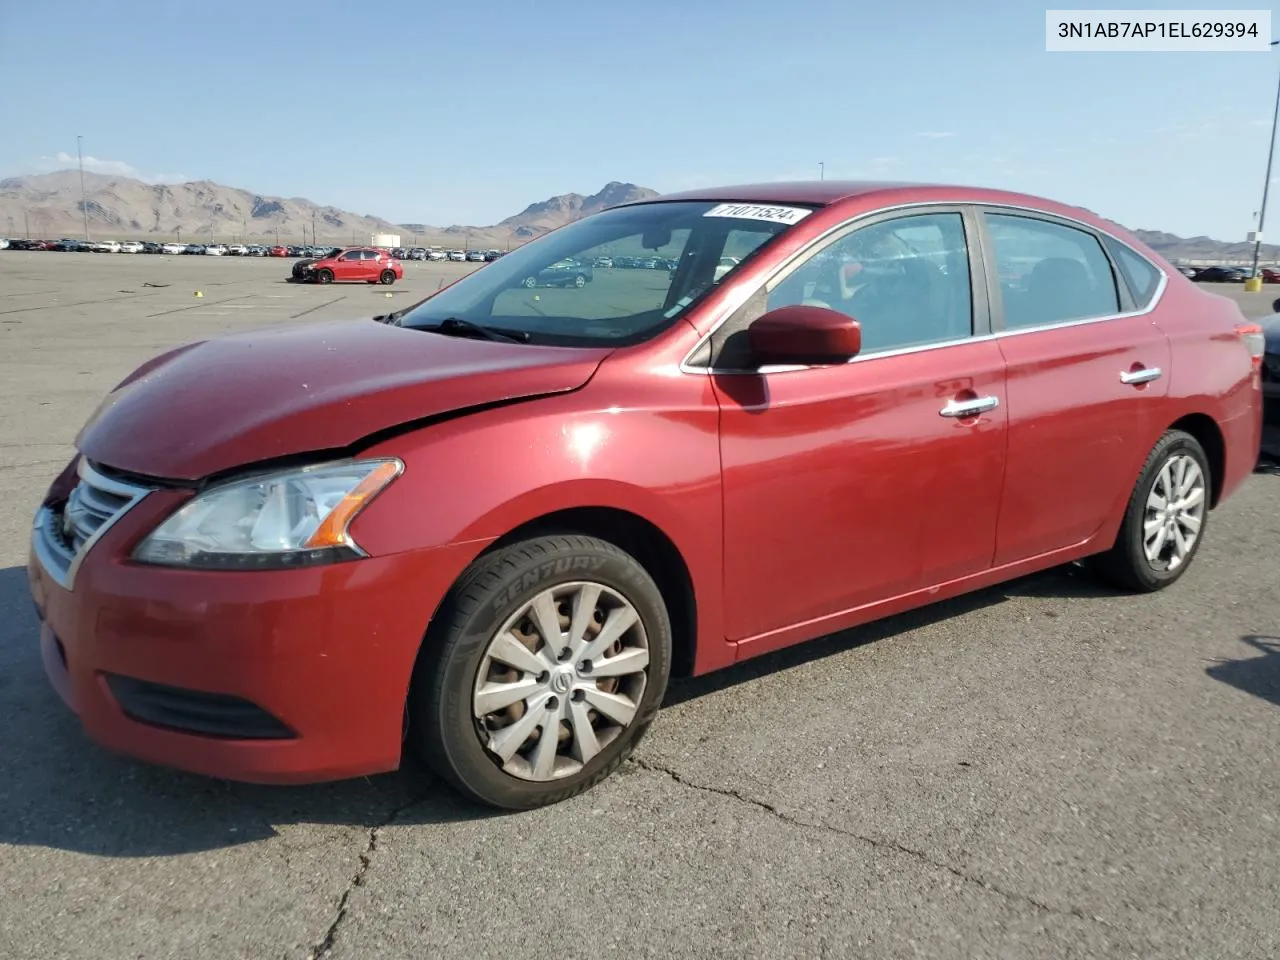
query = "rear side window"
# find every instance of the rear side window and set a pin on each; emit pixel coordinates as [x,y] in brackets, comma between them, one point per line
[1141,277]
[1050,273]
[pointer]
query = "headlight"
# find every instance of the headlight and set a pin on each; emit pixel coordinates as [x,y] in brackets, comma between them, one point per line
[291,518]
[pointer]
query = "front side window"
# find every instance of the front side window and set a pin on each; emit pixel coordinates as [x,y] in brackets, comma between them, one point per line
[1050,273]
[664,257]
[905,280]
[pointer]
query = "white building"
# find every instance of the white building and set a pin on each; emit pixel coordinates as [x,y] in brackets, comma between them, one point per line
[385,240]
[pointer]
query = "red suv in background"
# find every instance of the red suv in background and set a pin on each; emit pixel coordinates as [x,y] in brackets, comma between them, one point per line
[354,264]
[486,529]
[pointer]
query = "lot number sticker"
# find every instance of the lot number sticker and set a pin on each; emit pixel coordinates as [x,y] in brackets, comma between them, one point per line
[759,211]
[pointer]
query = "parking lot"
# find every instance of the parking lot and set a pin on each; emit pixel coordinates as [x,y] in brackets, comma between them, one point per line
[1043,769]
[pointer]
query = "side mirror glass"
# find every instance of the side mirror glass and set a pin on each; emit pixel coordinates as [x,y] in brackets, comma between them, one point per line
[811,336]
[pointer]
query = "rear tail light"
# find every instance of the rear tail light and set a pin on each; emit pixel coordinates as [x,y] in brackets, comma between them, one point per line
[1255,341]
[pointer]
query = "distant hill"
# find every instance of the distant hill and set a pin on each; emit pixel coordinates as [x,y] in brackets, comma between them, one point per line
[1176,248]
[537,218]
[48,206]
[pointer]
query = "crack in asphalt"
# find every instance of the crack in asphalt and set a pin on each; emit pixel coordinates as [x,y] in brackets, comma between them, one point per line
[322,948]
[881,844]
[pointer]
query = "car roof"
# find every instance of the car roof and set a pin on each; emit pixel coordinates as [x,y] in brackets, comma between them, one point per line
[825,193]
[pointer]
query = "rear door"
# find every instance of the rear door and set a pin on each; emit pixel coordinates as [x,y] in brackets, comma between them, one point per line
[849,484]
[1088,377]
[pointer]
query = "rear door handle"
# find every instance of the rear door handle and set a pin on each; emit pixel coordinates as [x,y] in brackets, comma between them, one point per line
[969,408]
[1145,375]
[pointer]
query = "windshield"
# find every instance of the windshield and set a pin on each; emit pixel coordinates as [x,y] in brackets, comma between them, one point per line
[619,277]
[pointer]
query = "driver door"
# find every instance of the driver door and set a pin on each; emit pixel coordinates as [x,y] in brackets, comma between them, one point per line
[347,266]
[856,483]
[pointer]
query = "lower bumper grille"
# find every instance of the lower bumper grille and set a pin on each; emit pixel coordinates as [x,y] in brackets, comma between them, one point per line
[195,711]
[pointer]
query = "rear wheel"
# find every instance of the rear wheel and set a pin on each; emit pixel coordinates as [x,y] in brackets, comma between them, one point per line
[530,282]
[387,278]
[544,669]
[579,281]
[1165,521]
[324,276]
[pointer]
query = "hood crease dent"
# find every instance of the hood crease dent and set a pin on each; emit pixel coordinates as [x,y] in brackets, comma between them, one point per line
[219,404]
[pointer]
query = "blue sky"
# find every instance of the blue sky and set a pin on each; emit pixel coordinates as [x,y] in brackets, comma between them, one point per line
[465,112]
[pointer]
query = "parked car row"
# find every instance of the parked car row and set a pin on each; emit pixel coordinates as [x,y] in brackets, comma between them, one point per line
[438,254]
[71,245]
[1228,274]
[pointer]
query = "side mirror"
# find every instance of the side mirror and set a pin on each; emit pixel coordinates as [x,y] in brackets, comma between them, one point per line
[804,335]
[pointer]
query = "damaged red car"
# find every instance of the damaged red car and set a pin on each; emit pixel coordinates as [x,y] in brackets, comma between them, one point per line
[352,265]
[486,530]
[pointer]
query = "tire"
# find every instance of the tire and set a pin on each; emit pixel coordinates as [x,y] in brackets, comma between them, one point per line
[491,600]
[579,281]
[1127,564]
[324,276]
[530,282]
[387,278]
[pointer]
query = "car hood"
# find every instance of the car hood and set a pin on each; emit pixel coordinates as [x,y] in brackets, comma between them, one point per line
[219,404]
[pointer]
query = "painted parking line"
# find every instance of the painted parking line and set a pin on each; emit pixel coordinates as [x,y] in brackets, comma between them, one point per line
[318,306]
[197,306]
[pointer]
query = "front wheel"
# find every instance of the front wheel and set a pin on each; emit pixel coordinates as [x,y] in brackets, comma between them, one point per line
[387,278]
[1164,523]
[543,670]
[530,282]
[324,276]
[579,281]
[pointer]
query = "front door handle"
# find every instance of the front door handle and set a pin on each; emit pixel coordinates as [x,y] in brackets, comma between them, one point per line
[969,408]
[1145,375]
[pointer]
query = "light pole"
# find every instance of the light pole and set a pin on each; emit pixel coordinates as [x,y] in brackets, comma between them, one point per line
[822,170]
[84,206]
[1266,186]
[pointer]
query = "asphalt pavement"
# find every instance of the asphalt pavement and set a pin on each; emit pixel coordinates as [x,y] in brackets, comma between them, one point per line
[1043,769]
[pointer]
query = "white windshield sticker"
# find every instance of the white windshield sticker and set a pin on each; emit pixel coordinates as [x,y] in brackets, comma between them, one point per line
[759,211]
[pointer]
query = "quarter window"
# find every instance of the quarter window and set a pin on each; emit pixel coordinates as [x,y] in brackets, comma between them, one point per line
[1050,273]
[1138,272]
[905,280]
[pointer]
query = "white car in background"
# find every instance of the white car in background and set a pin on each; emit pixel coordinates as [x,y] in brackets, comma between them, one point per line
[106,246]
[173,249]
[131,246]
[4,243]
[457,256]
[215,250]
[237,250]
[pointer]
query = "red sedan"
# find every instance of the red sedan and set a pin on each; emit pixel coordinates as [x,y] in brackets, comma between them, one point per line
[355,264]
[486,529]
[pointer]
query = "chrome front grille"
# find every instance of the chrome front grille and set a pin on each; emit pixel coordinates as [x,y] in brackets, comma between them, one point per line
[63,533]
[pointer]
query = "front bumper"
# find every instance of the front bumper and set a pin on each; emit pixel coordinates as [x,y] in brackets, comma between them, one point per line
[288,676]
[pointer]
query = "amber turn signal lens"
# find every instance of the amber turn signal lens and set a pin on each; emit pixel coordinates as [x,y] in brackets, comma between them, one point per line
[332,532]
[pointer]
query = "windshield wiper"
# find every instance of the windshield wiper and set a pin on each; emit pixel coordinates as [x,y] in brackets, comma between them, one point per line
[458,327]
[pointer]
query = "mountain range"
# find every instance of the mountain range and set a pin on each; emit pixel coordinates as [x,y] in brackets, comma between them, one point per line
[48,206]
